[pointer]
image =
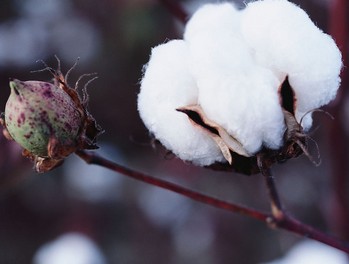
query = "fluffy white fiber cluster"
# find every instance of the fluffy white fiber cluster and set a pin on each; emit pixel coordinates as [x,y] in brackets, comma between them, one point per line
[232,64]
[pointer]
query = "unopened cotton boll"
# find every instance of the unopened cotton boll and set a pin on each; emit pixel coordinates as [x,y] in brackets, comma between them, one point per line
[284,39]
[167,85]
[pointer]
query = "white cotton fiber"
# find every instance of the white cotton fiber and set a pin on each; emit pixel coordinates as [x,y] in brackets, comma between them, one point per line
[167,85]
[247,106]
[233,91]
[232,63]
[216,47]
[284,39]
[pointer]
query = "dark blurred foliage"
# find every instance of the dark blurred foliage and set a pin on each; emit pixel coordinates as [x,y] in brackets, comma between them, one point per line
[130,221]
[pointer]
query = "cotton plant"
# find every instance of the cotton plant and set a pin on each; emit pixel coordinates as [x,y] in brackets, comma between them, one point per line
[240,84]
[237,92]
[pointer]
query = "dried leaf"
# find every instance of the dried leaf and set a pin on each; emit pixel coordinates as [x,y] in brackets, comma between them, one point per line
[225,142]
[42,164]
[223,147]
[292,126]
[58,151]
[47,164]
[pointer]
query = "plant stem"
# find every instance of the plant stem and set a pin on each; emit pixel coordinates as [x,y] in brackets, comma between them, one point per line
[293,225]
[275,202]
[285,222]
[281,219]
[92,158]
[339,29]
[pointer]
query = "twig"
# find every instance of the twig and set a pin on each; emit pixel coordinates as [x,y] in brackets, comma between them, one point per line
[275,202]
[293,225]
[176,9]
[281,219]
[339,29]
[286,222]
[92,158]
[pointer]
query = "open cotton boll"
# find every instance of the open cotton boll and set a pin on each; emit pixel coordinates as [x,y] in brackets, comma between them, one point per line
[247,106]
[226,80]
[167,85]
[284,39]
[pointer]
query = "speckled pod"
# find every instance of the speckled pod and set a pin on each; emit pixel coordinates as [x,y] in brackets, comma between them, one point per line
[36,111]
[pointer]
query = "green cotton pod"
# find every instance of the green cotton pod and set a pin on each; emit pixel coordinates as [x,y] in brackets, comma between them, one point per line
[37,111]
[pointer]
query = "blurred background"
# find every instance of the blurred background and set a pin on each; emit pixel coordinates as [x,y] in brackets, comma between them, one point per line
[84,210]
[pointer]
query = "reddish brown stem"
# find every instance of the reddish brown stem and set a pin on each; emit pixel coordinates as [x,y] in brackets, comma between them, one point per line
[339,29]
[275,202]
[176,9]
[293,225]
[338,25]
[285,222]
[92,158]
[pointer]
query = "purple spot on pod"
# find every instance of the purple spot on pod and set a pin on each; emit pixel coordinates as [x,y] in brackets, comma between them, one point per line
[45,85]
[47,93]
[68,126]
[27,136]
[21,119]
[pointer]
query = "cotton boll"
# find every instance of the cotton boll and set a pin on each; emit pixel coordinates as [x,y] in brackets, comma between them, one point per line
[247,106]
[167,85]
[229,69]
[283,38]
